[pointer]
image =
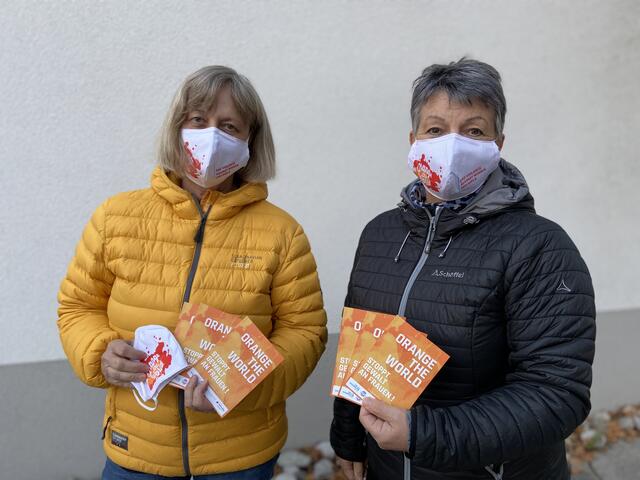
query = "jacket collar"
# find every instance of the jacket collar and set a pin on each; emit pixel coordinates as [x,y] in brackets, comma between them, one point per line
[223,205]
[505,189]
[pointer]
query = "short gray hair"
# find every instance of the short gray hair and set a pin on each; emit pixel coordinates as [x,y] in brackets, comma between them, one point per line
[463,81]
[198,92]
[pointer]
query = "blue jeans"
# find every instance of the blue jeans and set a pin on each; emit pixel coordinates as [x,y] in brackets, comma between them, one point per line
[113,471]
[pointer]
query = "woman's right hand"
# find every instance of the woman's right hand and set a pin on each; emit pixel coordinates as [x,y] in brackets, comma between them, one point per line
[121,364]
[352,470]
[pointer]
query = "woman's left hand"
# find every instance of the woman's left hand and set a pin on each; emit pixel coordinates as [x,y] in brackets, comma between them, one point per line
[387,425]
[194,396]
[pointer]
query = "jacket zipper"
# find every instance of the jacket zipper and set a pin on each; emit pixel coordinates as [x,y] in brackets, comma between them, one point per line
[199,236]
[106,425]
[433,223]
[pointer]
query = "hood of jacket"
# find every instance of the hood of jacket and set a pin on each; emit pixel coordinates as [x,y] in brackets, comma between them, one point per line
[505,189]
[223,205]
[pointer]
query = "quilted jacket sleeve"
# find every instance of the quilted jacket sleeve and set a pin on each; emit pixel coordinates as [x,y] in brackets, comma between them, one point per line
[82,313]
[299,332]
[347,435]
[550,323]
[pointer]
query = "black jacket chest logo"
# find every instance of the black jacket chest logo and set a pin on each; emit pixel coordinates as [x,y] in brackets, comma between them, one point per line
[448,274]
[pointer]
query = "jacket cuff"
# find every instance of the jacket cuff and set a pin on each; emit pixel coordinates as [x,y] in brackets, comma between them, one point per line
[348,446]
[353,453]
[423,436]
[347,435]
[91,362]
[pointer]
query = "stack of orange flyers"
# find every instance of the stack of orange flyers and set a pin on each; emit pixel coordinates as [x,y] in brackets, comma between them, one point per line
[199,329]
[391,360]
[229,352]
[398,367]
[358,332]
[242,359]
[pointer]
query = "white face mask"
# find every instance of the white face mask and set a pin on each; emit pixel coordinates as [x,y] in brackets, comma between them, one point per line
[165,360]
[213,155]
[453,166]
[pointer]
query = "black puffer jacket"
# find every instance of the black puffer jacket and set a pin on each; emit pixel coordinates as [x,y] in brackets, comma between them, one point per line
[506,294]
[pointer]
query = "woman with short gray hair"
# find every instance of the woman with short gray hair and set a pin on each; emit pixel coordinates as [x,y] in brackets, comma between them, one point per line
[202,233]
[502,290]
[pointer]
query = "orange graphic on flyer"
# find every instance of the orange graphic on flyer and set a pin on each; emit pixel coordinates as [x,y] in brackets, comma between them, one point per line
[199,329]
[397,366]
[367,327]
[237,364]
[350,327]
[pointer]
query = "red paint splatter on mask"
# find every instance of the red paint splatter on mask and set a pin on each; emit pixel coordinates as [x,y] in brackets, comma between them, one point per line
[194,167]
[422,169]
[158,362]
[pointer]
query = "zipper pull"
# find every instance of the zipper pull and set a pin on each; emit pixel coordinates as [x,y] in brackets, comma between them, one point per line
[203,221]
[432,230]
[427,249]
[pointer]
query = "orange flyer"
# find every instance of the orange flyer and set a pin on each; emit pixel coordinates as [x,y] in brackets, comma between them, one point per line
[349,329]
[397,365]
[199,329]
[237,364]
[362,329]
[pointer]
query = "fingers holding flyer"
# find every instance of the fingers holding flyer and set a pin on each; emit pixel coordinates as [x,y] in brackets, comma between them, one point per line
[195,396]
[387,425]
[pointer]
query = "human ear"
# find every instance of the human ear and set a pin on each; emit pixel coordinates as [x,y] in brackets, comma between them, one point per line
[412,137]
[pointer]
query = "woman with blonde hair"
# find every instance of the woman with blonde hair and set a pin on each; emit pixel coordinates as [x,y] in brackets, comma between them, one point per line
[204,233]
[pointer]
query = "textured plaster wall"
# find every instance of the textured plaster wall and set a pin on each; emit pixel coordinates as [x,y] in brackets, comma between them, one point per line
[85,86]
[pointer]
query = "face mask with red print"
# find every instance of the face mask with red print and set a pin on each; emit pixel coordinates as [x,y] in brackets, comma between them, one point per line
[453,166]
[213,155]
[164,358]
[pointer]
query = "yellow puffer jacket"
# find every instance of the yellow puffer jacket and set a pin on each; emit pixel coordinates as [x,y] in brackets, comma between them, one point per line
[132,267]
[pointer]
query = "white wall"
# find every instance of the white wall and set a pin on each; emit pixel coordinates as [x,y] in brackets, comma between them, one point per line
[85,86]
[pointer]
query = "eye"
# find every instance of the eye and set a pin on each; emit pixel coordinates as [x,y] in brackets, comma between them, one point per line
[230,127]
[476,132]
[196,121]
[434,131]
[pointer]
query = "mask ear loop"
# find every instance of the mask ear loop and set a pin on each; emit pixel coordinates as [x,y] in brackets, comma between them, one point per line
[141,403]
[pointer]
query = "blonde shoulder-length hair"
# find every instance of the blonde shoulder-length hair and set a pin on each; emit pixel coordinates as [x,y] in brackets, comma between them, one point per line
[198,92]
